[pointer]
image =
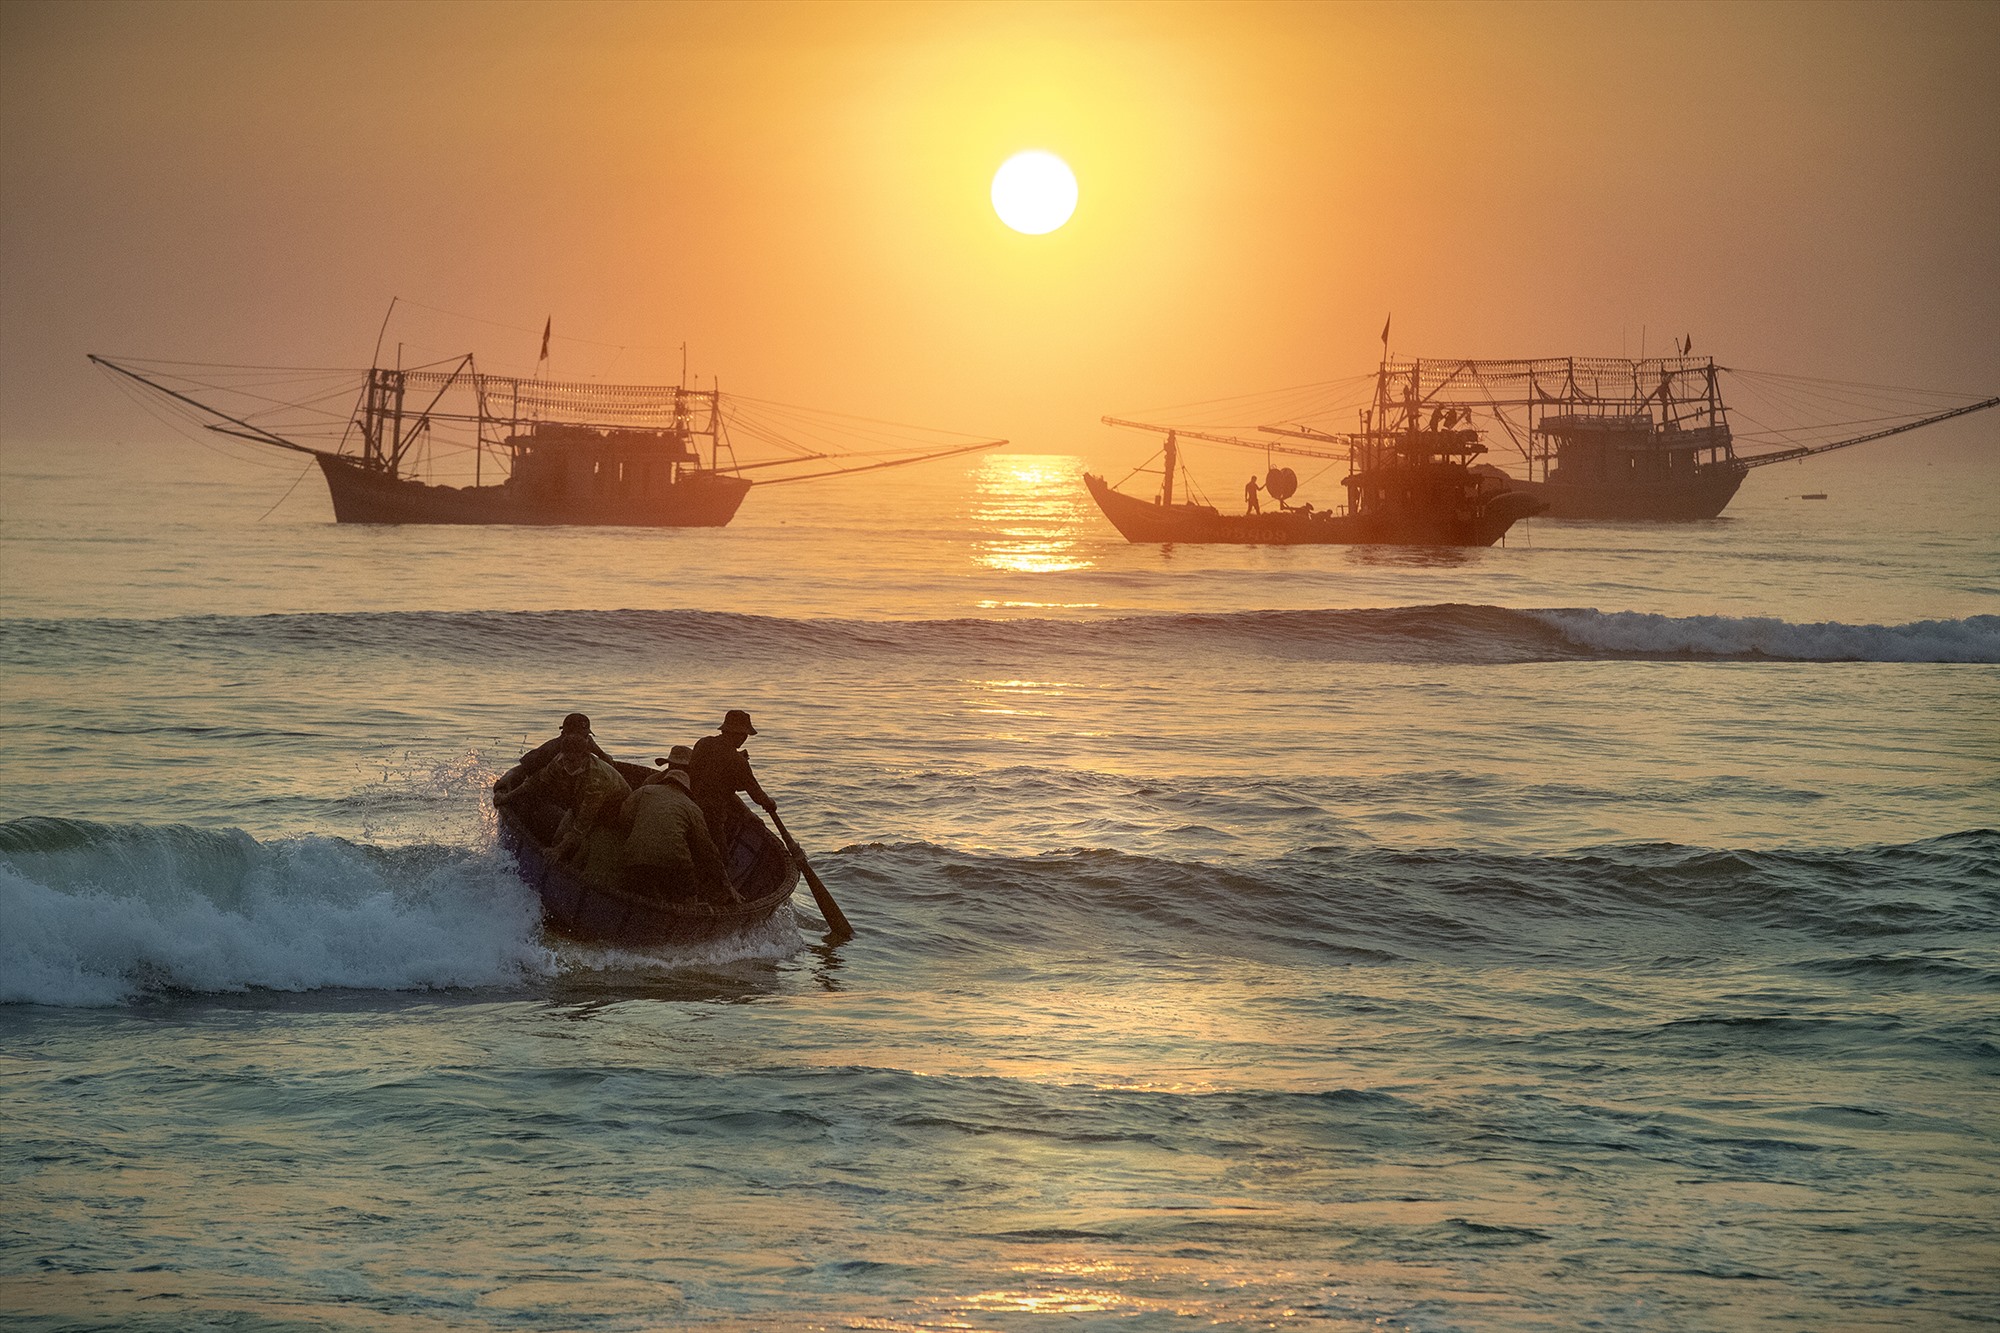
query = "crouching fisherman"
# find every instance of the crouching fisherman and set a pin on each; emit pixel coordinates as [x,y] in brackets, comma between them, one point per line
[669,853]
[570,803]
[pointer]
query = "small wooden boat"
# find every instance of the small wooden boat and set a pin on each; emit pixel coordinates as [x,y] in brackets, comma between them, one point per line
[757,862]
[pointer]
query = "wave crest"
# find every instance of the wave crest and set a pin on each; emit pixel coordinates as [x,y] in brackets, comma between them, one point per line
[1445,633]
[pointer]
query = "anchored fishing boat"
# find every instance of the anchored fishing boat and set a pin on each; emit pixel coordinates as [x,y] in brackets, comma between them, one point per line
[760,866]
[1409,483]
[448,444]
[1622,439]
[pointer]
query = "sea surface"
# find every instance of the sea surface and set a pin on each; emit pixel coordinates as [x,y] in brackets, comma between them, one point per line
[1597,931]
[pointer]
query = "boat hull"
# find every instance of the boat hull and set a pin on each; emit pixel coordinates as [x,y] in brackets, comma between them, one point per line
[1146,523]
[758,864]
[1705,495]
[363,495]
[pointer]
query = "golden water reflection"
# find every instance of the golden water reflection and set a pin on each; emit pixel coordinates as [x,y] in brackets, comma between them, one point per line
[1029,509]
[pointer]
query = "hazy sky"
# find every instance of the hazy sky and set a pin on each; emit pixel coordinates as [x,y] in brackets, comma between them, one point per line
[799,192]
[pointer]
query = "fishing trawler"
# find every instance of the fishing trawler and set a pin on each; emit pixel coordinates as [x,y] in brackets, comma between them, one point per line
[447,444]
[1605,438]
[1410,482]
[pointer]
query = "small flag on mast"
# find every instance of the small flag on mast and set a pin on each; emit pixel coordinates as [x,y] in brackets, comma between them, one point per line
[1385,331]
[545,340]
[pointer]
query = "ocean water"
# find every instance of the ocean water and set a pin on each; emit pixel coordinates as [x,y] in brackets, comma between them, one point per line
[1601,930]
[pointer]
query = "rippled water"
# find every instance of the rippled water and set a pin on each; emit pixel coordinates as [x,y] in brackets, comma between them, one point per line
[1603,929]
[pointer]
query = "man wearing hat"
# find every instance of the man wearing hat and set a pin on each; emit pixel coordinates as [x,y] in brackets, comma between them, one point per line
[575,723]
[720,769]
[568,797]
[669,853]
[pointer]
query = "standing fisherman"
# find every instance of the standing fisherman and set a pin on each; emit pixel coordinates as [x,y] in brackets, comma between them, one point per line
[1250,502]
[719,770]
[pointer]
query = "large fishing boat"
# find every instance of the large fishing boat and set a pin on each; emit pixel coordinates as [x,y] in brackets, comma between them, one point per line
[447,444]
[1617,439]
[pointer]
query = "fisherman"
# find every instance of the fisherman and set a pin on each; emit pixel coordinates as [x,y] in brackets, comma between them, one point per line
[669,853]
[541,754]
[1250,502]
[719,769]
[568,798]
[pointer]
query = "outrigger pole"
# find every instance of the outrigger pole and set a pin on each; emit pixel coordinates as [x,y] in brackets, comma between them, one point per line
[873,467]
[1241,443]
[256,435]
[1806,451]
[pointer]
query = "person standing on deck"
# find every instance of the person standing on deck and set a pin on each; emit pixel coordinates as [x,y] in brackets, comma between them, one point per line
[719,769]
[1250,501]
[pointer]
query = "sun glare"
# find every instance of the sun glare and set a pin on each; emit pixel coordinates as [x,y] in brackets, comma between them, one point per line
[1034,192]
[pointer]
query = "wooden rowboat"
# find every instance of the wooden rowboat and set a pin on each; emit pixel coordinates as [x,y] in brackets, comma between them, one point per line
[758,863]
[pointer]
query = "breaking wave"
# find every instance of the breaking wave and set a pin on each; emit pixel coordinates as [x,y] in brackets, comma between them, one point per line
[101,914]
[1428,634]
[104,914]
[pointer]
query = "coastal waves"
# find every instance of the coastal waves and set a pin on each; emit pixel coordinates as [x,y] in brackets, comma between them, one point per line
[1445,633]
[103,914]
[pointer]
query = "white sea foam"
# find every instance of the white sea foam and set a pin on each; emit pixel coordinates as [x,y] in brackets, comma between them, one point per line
[1974,639]
[146,911]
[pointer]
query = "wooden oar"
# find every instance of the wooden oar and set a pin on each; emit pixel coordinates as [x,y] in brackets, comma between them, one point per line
[836,920]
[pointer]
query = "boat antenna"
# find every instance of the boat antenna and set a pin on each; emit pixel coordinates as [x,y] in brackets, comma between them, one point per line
[375,357]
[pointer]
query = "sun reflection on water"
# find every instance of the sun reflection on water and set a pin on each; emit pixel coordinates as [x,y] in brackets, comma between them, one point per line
[1032,505]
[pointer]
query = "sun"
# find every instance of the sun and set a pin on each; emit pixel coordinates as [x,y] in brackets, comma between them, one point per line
[1034,192]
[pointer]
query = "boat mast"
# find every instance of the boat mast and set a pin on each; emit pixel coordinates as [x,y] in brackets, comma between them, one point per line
[1170,457]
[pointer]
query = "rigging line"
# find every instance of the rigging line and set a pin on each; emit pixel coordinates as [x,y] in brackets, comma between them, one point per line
[1844,384]
[900,462]
[288,490]
[151,361]
[1137,470]
[179,419]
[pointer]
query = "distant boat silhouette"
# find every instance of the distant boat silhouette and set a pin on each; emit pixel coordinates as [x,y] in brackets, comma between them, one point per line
[1408,484]
[564,452]
[1619,439]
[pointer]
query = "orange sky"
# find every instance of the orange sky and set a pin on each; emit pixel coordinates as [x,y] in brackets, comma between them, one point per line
[800,193]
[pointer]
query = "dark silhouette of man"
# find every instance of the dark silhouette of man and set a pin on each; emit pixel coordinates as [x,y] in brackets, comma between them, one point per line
[565,799]
[718,770]
[1250,502]
[548,749]
[669,852]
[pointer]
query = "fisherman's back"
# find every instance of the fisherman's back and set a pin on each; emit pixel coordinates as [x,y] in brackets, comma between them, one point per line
[669,841]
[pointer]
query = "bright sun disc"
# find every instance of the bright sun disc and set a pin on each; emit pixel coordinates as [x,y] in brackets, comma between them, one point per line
[1034,192]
